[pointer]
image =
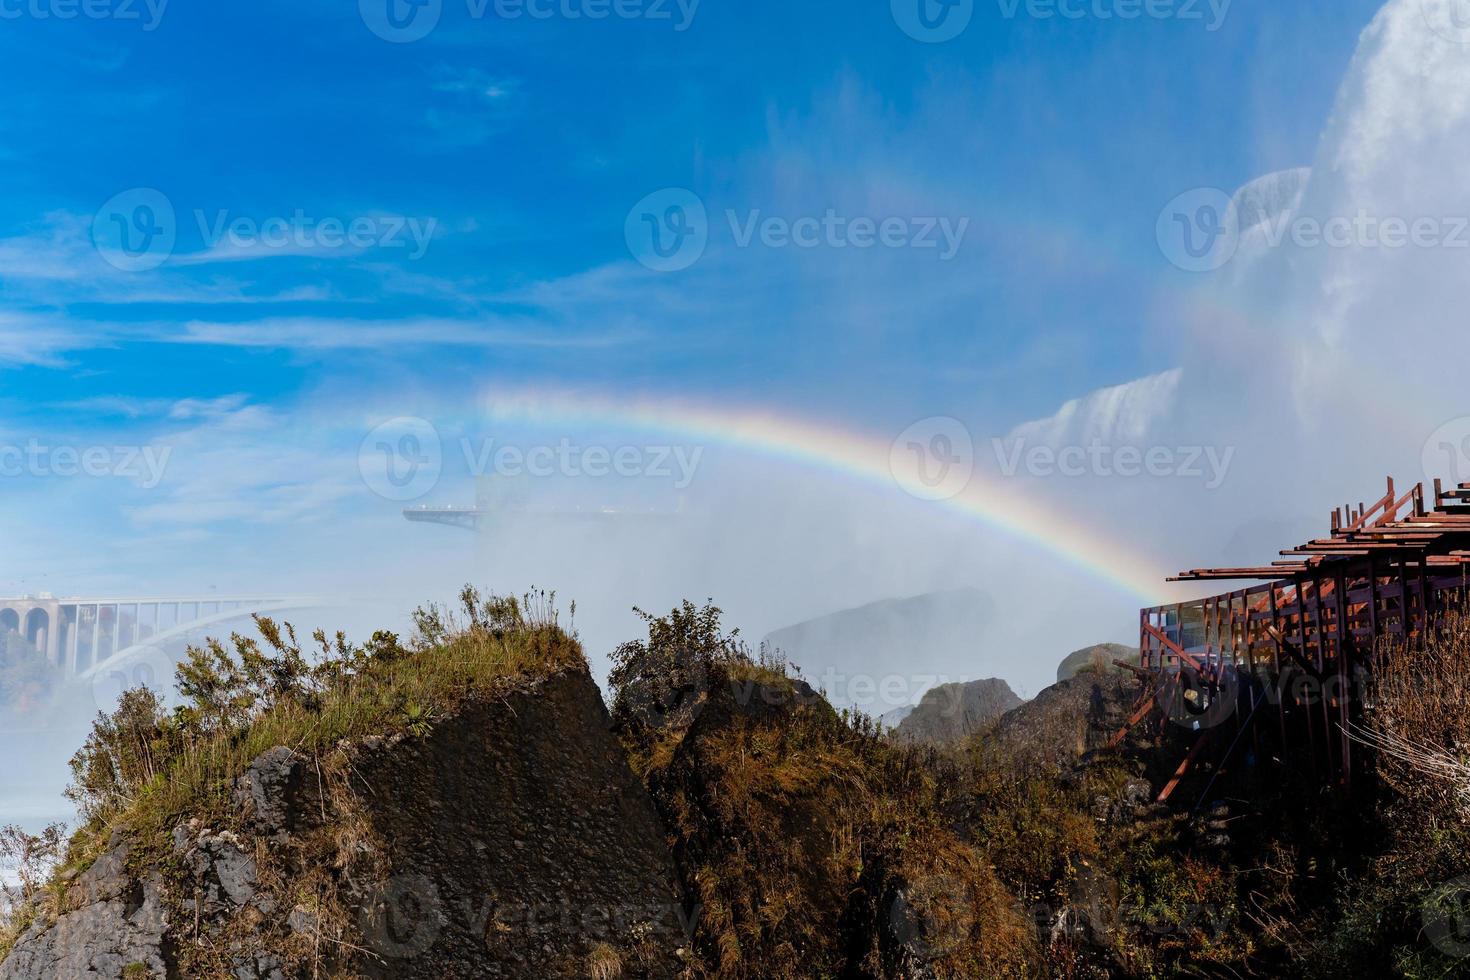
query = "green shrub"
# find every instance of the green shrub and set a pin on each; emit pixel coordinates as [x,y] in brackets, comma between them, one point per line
[27,863]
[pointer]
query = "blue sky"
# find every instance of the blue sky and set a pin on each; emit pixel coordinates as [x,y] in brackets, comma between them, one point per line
[528,141]
[524,143]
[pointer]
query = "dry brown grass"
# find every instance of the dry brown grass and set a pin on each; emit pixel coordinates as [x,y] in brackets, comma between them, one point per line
[604,963]
[1419,716]
[794,827]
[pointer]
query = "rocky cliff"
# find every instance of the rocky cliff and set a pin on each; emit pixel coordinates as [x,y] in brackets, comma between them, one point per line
[855,654]
[509,839]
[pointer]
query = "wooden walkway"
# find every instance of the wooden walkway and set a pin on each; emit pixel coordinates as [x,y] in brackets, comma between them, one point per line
[1299,646]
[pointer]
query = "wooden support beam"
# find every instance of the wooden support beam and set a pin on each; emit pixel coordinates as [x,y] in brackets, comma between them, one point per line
[1141,712]
[1323,639]
[1175,649]
[1344,644]
[1179,773]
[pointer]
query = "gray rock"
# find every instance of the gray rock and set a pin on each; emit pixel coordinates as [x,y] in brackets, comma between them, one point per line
[905,939]
[275,793]
[118,923]
[951,713]
[261,966]
[223,873]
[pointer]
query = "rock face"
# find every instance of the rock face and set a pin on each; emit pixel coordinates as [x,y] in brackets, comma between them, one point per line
[509,839]
[952,712]
[224,876]
[116,928]
[521,842]
[1069,719]
[278,795]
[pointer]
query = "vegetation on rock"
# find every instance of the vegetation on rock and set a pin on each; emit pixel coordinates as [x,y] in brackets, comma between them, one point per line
[1098,659]
[813,845]
[801,841]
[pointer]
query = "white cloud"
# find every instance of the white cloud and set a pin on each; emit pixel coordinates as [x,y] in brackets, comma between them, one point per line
[178,410]
[328,333]
[42,341]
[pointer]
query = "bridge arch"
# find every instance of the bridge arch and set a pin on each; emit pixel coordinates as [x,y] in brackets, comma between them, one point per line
[38,627]
[145,654]
[9,621]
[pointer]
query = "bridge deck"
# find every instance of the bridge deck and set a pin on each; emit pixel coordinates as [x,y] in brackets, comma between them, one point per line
[80,635]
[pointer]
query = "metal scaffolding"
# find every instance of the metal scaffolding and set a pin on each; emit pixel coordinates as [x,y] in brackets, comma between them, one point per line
[1297,649]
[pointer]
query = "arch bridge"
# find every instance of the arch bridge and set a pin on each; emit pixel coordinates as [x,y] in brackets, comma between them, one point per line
[86,636]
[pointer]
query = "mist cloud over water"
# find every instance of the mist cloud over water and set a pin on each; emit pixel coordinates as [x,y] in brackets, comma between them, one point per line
[1325,342]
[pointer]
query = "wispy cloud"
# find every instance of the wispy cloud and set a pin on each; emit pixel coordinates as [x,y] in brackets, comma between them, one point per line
[42,341]
[236,465]
[469,106]
[172,409]
[329,333]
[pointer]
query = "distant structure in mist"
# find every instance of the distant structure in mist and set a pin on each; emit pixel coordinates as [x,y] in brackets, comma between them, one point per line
[81,636]
[496,500]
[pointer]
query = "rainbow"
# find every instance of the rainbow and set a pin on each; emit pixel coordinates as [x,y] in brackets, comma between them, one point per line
[986,500]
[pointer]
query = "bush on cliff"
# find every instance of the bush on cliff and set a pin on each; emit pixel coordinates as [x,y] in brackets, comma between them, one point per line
[26,863]
[146,766]
[813,845]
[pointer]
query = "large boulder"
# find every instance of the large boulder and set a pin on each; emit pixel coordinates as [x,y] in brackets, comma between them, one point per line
[518,840]
[115,926]
[1097,657]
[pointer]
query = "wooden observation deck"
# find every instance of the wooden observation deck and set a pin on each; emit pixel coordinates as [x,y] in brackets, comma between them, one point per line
[1296,650]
